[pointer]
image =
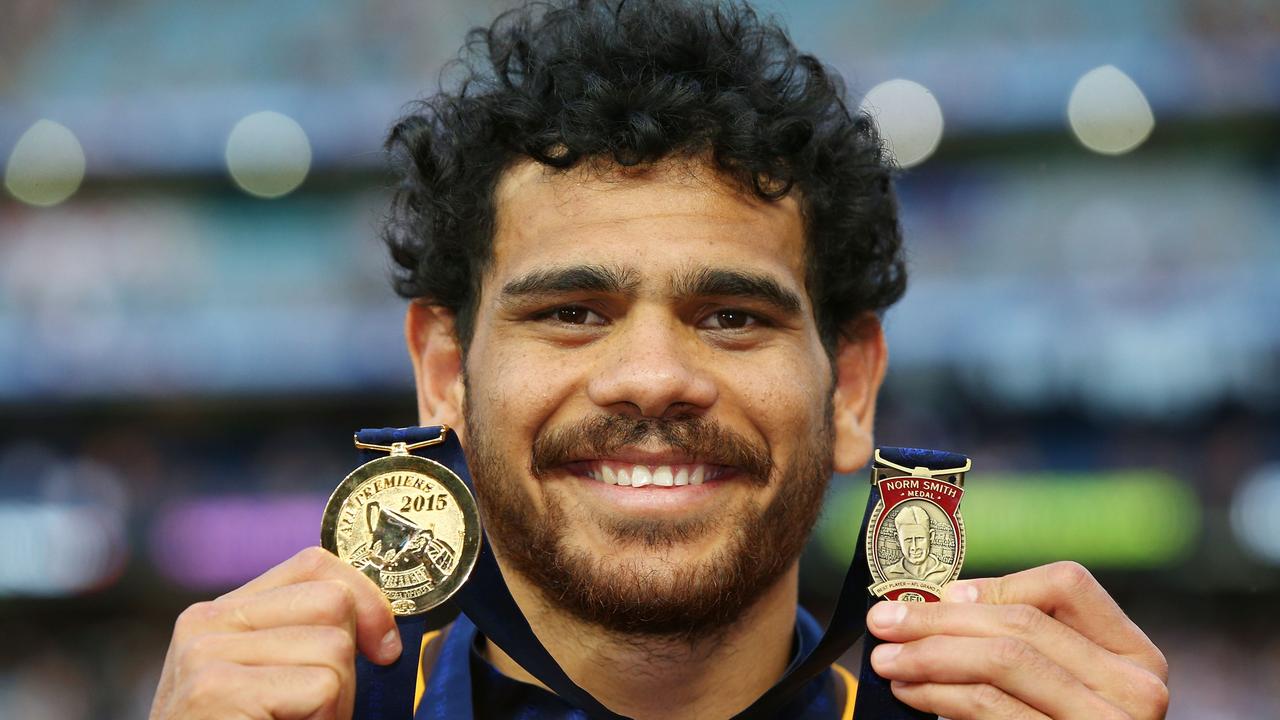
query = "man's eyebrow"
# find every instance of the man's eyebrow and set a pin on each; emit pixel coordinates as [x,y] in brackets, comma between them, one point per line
[573,278]
[709,282]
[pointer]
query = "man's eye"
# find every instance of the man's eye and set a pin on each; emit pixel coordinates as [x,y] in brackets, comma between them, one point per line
[730,320]
[574,315]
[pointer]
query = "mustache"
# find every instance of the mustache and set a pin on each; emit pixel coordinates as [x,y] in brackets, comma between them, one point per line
[604,435]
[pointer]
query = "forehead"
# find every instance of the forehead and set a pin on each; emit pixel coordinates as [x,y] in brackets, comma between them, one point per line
[664,217]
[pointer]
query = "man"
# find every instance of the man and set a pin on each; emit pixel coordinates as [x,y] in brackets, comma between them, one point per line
[918,561]
[648,245]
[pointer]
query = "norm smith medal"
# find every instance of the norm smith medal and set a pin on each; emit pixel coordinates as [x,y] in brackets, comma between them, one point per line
[915,536]
[409,524]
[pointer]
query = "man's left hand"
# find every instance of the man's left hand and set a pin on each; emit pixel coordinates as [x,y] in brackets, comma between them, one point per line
[1046,642]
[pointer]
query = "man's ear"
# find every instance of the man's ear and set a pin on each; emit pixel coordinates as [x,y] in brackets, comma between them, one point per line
[860,361]
[437,364]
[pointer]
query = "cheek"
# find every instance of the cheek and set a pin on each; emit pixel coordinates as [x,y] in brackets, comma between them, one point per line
[782,396]
[516,397]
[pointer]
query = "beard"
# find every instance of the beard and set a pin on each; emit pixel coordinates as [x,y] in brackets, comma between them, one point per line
[654,597]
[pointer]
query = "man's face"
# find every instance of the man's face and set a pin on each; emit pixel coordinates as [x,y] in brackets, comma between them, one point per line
[915,543]
[657,326]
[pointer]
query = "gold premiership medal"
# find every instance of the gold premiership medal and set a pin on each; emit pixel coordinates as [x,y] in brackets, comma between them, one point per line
[915,536]
[410,524]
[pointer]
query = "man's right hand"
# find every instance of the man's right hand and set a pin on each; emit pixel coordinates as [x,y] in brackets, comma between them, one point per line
[280,647]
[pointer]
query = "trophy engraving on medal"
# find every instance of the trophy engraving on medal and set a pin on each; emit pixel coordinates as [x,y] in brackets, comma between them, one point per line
[915,535]
[408,523]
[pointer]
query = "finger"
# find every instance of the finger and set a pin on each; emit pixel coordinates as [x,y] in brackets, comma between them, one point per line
[964,702]
[376,632]
[1013,666]
[1119,680]
[1068,592]
[321,646]
[319,602]
[222,690]
[312,563]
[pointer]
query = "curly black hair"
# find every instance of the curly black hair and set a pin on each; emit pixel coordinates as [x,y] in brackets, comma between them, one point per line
[634,82]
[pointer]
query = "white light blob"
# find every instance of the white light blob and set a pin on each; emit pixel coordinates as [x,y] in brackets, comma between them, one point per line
[1254,508]
[46,165]
[1108,112]
[51,549]
[268,154]
[908,117]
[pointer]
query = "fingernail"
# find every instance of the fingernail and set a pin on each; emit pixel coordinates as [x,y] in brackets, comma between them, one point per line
[960,592]
[886,653]
[887,614]
[391,647]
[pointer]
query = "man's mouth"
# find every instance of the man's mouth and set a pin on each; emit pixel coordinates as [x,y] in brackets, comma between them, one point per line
[612,472]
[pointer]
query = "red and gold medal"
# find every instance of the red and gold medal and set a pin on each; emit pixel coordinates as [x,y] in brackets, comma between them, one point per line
[915,535]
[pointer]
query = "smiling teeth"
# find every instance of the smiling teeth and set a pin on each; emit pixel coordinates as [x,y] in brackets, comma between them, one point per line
[643,475]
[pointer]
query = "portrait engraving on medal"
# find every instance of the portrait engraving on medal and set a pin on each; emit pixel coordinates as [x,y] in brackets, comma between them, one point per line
[410,525]
[917,543]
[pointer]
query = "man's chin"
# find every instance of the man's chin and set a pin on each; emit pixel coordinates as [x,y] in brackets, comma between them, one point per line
[662,564]
[635,589]
[688,539]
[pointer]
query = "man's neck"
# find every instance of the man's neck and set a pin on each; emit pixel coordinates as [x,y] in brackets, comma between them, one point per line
[659,678]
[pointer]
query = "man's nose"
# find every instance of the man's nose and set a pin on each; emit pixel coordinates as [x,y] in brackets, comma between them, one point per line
[655,366]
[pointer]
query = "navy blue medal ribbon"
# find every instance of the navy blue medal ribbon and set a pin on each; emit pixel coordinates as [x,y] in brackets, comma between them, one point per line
[387,692]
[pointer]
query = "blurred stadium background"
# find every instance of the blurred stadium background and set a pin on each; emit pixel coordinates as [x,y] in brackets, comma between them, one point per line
[194,312]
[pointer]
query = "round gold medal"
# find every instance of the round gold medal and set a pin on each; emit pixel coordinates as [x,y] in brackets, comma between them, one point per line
[408,523]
